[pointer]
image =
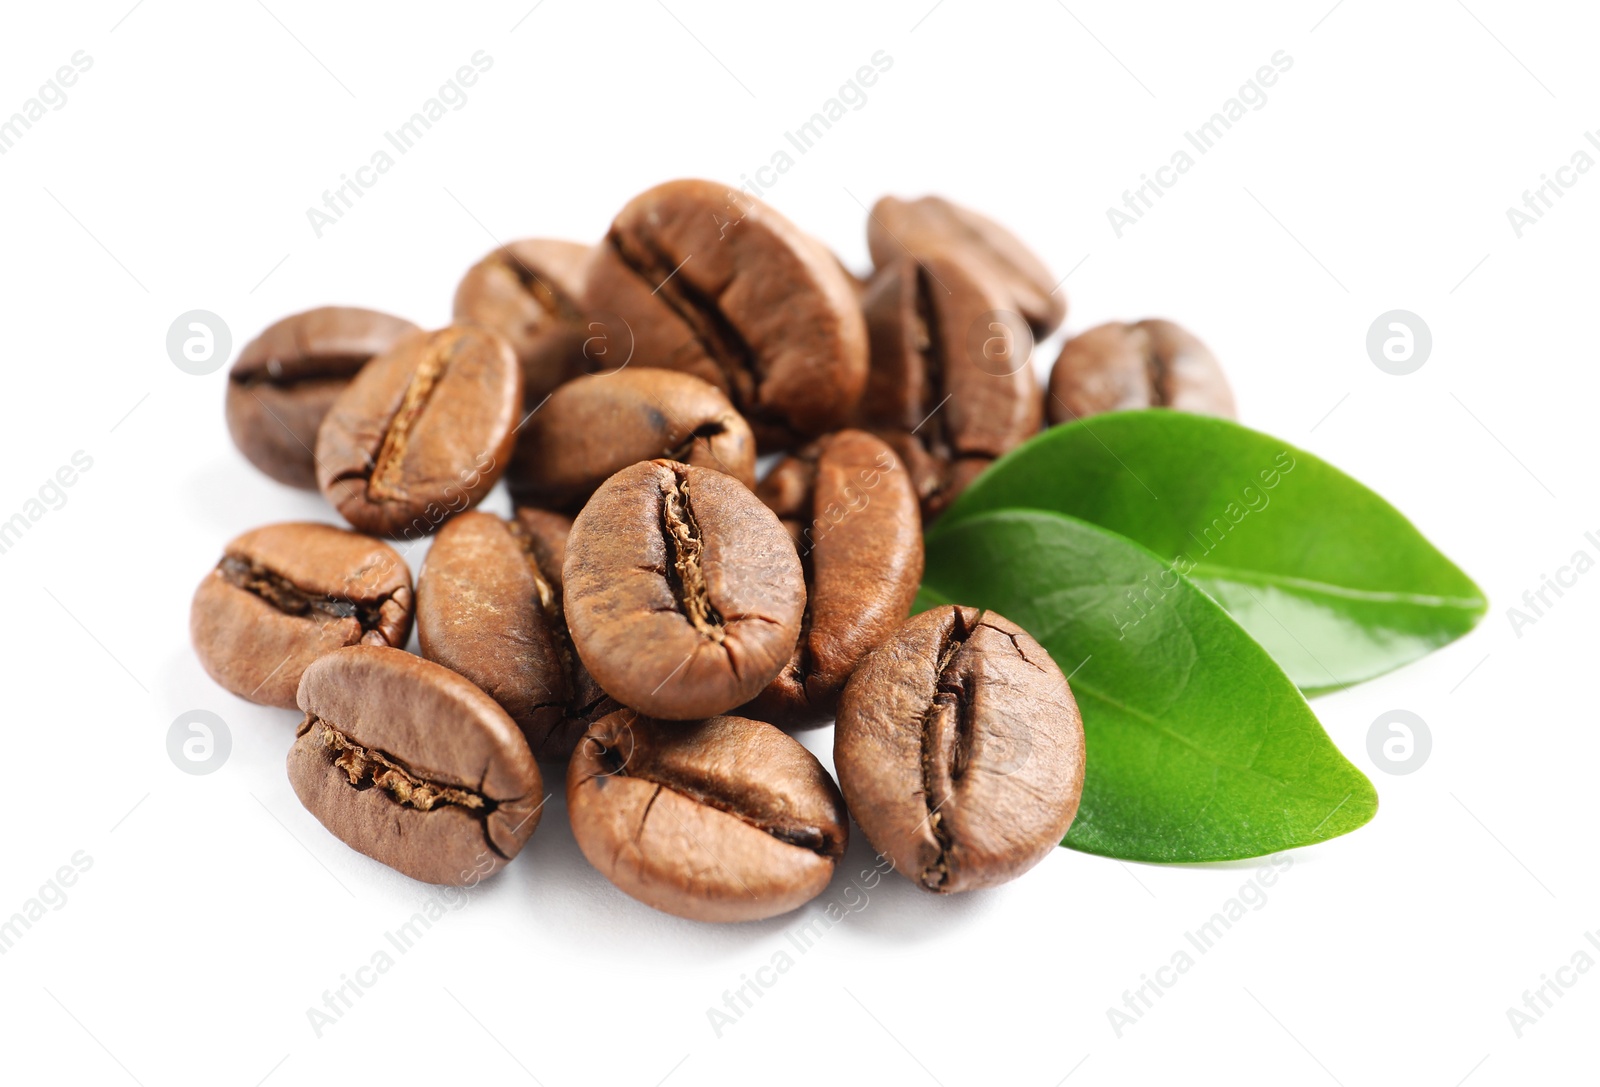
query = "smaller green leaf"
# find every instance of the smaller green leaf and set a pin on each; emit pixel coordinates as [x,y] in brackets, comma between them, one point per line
[1330,578]
[1200,748]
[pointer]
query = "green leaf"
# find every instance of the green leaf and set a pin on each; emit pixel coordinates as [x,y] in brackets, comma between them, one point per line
[1199,746]
[1330,578]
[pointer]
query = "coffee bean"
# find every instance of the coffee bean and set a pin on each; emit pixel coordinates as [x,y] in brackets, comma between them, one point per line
[489,607]
[719,820]
[948,371]
[683,592]
[897,229]
[285,380]
[595,426]
[1149,364]
[528,292]
[284,595]
[848,503]
[960,750]
[715,283]
[422,433]
[409,763]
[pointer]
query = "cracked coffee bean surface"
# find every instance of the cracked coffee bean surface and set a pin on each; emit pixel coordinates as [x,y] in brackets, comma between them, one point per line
[595,426]
[921,228]
[489,607]
[849,504]
[422,433]
[684,594]
[960,750]
[409,763]
[724,819]
[715,283]
[284,595]
[1148,364]
[284,381]
[529,291]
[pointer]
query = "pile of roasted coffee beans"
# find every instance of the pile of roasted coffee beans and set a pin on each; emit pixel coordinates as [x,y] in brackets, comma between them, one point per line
[653,616]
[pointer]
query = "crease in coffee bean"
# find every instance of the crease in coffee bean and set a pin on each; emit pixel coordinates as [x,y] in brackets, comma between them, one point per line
[328,367]
[811,838]
[368,768]
[290,599]
[700,434]
[546,297]
[386,480]
[684,571]
[716,335]
[945,752]
[930,346]
[1155,367]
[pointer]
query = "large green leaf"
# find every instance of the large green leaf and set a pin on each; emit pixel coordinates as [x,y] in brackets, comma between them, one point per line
[1332,579]
[1200,748]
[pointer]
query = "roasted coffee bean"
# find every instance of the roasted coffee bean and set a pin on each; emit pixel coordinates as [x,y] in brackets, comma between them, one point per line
[683,592]
[285,379]
[719,820]
[921,228]
[409,763]
[1149,364]
[950,371]
[284,595]
[849,504]
[422,433]
[960,750]
[489,607]
[593,427]
[717,284]
[529,292]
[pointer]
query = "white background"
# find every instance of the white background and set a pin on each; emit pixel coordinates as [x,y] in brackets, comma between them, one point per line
[1377,176]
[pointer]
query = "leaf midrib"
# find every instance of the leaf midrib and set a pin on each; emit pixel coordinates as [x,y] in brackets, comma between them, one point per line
[1308,585]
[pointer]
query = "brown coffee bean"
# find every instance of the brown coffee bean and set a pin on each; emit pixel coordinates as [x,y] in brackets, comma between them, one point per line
[409,763]
[284,595]
[422,433]
[849,504]
[960,750]
[719,820]
[951,373]
[683,592]
[528,292]
[285,379]
[489,607]
[593,427]
[921,228]
[717,284]
[1149,364]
